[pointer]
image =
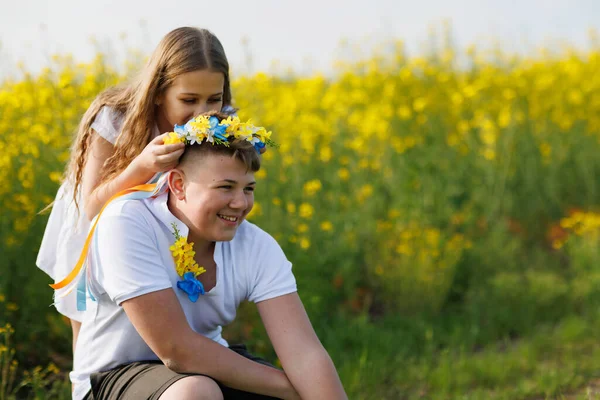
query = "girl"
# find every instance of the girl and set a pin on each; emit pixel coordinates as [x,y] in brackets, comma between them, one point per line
[119,142]
[168,270]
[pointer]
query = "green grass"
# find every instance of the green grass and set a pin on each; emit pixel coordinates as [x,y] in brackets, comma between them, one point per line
[381,361]
[555,361]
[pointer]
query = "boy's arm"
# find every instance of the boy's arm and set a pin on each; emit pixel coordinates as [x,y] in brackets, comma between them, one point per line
[305,362]
[160,321]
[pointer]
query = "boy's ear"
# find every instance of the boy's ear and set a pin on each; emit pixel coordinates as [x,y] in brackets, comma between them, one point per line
[177,183]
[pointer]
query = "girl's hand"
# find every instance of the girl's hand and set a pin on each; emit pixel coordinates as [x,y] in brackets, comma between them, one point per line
[159,157]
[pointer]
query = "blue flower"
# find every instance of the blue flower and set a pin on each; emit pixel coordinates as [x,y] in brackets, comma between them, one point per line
[259,145]
[218,130]
[180,129]
[192,286]
[214,122]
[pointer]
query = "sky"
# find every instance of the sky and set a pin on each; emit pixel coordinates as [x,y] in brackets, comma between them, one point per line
[304,35]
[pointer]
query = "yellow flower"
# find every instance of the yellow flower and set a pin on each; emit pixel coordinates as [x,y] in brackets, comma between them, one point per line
[404,248]
[326,226]
[261,173]
[263,134]
[177,249]
[189,249]
[344,174]
[256,211]
[325,154]
[306,211]
[173,138]
[291,208]
[244,130]
[489,154]
[304,243]
[12,307]
[180,266]
[393,213]
[545,150]
[56,176]
[200,124]
[302,228]
[194,268]
[53,369]
[312,187]
[404,112]
[364,193]
[419,104]
[183,256]
[232,123]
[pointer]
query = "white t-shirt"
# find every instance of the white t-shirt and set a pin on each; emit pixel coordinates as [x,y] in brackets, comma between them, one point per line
[132,258]
[67,226]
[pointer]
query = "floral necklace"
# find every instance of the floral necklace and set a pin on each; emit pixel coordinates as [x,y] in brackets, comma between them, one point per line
[186,267]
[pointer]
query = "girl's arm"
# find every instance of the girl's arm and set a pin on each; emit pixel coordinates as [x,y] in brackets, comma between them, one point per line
[305,362]
[160,321]
[75,327]
[155,157]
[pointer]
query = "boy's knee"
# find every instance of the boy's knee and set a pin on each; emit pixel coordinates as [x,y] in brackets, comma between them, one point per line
[208,391]
[193,388]
[211,391]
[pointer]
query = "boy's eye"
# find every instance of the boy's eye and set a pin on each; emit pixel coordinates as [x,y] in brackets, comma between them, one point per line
[215,100]
[189,101]
[225,187]
[249,189]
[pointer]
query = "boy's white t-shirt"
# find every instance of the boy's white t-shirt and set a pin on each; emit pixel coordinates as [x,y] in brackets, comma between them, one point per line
[132,258]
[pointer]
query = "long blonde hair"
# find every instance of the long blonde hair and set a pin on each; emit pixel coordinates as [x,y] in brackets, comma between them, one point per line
[180,51]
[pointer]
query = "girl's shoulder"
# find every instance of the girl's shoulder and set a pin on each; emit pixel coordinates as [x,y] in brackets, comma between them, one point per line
[108,123]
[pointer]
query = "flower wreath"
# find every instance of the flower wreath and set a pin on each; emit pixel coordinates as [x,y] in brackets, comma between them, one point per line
[210,129]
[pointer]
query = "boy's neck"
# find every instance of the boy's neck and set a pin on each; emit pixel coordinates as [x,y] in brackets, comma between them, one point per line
[202,247]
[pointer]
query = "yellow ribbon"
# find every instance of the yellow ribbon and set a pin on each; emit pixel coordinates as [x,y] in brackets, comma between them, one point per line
[148,187]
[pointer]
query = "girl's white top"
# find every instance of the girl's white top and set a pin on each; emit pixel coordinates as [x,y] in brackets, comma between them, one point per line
[67,226]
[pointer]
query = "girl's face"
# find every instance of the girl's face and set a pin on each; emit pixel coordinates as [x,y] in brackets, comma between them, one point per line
[191,94]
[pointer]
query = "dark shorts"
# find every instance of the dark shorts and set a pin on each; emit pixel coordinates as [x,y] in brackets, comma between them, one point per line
[149,380]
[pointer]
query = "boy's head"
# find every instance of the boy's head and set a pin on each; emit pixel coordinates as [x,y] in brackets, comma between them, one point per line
[212,188]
